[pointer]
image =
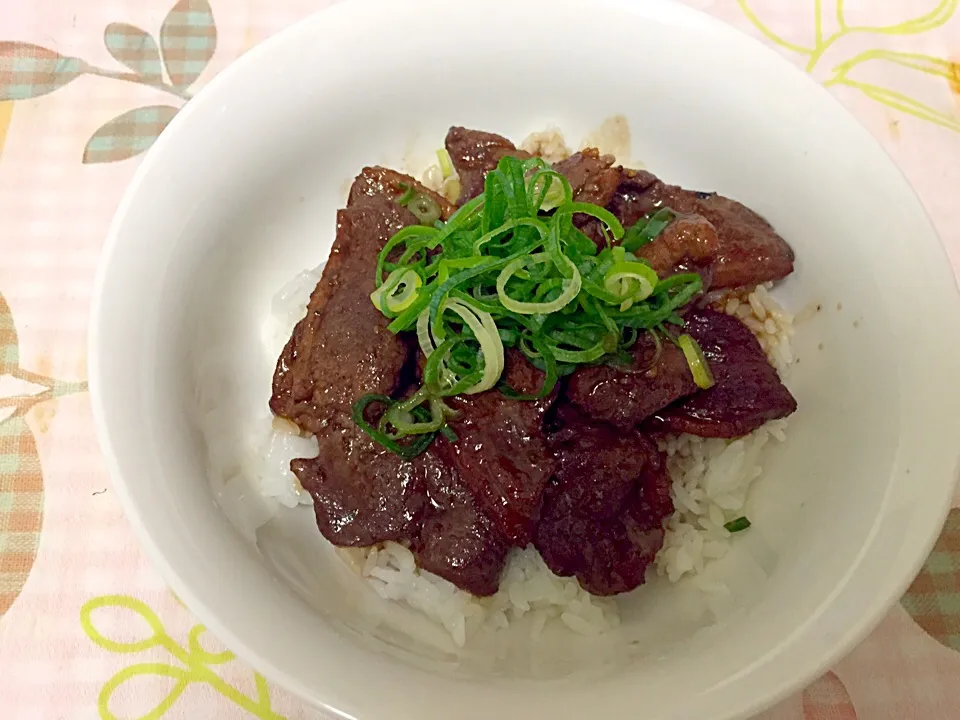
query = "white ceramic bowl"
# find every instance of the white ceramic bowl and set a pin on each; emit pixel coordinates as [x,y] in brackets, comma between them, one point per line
[239,194]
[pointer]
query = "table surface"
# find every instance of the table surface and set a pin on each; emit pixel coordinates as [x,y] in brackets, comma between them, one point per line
[87,627]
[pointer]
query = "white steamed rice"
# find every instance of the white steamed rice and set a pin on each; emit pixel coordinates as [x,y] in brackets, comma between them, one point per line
[528,590]
[281,442]
[711,484]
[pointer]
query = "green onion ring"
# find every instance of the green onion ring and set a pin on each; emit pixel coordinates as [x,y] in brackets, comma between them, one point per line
[485,331]
[630,281]
[425,208]
[697,362]
[398,292]
[571,287]
[404,450]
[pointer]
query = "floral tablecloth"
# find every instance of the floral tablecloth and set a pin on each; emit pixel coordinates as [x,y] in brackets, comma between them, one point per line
[87,627]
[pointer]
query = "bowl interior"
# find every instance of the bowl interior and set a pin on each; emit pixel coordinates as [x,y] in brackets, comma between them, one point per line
[240,195]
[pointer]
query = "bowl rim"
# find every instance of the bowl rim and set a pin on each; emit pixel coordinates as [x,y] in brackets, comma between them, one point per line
[757,701]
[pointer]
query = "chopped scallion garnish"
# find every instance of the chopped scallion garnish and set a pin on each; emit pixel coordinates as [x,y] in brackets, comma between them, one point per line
[511,269]
[425,208]
[699,367]
[631,281]
[407,450]
[645,230]
[738,525]
[446,165]
[408,194]
[398,292]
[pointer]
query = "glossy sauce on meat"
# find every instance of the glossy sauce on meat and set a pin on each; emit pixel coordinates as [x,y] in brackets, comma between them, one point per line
[474,153]
[457,541]
[748,392]
[748,250]
[592,176]
[342,349]
[625,397]
[386,184]
[602,518]
[688,244]
[592,179]
[501,451]
[734,246]
[363,493]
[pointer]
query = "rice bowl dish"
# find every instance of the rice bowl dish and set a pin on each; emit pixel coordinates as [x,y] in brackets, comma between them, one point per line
[229,206]
[710,478]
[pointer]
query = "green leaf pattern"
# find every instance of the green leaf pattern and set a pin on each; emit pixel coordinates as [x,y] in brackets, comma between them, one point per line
[134,48]
[129,134]
[849,72]
[188,39]
[30,71]
[21,479]
[191,664]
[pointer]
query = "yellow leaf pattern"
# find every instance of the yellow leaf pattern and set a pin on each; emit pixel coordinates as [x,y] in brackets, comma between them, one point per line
[845,73]
[194,666]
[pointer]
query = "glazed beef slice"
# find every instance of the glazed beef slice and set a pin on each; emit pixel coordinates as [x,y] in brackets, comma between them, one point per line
[748,250]
[748,392]
[342,350]
[457,541]
[688,244]
[602,517]
[363,493]
[474,153]
[501,452]
[383,183]
[626,397]
[593,179]
[592,176]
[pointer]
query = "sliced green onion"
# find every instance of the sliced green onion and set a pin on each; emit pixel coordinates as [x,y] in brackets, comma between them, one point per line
[699,367]
[545,361]
[484,329]
[400,414]
[571,287]
[489,264]
[554,197]
[460,220]
[645,230]
[604,216]
[539,226]
[425,208]
[738,525]
[446,165]
[549,190]
[630,281]
[451,189]
[408,317]
[408,194]
[445,266]
[503,272]
[405,450]
[441,379]
[414,236]
[581,357]
[427,345]
[398,292]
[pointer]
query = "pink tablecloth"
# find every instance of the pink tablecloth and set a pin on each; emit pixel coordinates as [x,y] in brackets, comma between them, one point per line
[87,627]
